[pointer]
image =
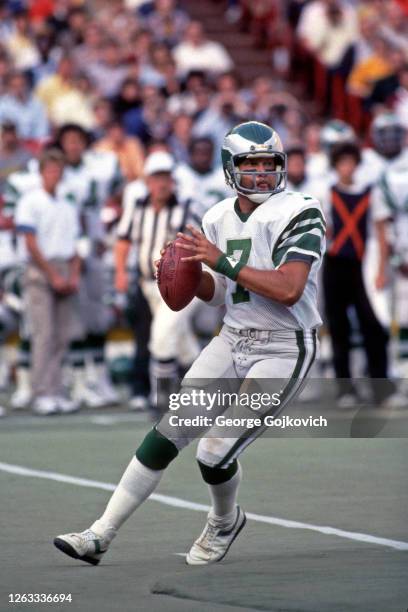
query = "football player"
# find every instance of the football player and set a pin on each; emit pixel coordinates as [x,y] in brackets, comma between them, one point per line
[333,133]
[261,250]
[390,211]
[387,157]
[387,135]
[99,174]
[8,320]
[200,177]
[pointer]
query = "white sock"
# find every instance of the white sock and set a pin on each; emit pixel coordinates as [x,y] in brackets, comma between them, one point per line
[135,486]
[224,497]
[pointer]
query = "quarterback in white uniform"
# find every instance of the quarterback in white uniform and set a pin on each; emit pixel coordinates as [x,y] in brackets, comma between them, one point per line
[261,252]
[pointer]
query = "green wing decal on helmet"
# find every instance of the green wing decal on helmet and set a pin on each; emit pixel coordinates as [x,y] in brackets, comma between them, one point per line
[248,140]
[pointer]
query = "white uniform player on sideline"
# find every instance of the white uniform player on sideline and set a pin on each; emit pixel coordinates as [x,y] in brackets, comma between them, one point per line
[100,177]
[388,155]
[333,133]
[262,251]
[199,179]
[390,212]
[203,182]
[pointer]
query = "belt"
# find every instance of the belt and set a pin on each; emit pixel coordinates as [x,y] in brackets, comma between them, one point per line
[262,334]
[255,334]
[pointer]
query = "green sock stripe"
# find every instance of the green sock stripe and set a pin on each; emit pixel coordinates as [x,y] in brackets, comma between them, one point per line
[96,341]
[156,451]
[403,333]
[25,346]
[215,475]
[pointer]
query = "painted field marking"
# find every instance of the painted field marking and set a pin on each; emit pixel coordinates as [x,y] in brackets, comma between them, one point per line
[176,502]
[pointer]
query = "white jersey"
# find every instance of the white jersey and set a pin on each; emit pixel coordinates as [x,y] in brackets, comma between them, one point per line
[105,181]
[12,251]
[104,169]
[207,189]
[289,226]
[17,184]
[53,218]
[373,165]
[390,201]
[89,184]
[313,187]
[73,187]
[318,166]
[368,172]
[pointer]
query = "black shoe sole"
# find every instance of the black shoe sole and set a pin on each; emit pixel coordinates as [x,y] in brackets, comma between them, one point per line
[71,552]
[234,538]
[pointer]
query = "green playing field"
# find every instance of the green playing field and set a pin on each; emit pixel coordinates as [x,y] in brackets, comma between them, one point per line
[356,487]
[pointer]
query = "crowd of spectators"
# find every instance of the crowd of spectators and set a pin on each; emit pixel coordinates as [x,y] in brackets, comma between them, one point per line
[98,64]
[145,64]
[350,55]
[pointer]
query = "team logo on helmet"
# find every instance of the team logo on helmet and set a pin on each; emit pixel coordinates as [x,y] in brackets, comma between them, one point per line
[387,134]
[336,132]
[250,140]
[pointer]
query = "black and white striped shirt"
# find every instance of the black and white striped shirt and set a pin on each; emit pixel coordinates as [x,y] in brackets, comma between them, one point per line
[148,229]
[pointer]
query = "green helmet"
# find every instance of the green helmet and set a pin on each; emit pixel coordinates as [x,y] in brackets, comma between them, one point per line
[253,139]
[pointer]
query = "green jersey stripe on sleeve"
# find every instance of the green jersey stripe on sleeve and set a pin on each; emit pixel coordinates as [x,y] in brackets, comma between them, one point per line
[303,227]
[305,231]
[310,214]
[306,243]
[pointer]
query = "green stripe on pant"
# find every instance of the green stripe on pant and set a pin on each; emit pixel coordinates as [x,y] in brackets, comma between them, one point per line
[293,385]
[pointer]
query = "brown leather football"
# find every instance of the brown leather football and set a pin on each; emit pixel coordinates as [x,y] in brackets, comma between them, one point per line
[178,280]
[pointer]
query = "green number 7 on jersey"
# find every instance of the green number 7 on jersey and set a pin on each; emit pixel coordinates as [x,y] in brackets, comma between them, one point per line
[240,249]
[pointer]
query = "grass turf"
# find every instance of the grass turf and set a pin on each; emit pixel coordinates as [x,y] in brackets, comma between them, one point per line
[357,485]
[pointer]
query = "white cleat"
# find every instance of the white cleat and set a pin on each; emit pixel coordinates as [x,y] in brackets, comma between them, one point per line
[215,541]
[139,403]
[20,399]
[107,392]
[88,397]
[396,400]
[45,405]
[347,401]
[86,546]
[66,405]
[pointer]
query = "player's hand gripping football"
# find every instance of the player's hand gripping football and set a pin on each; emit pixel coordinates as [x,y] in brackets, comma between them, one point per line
[202,249]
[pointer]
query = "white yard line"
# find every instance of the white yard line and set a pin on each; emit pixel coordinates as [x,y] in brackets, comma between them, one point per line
[188,505]
[108,418]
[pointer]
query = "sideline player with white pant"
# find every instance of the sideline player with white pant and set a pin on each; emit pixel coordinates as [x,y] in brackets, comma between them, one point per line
[262,251]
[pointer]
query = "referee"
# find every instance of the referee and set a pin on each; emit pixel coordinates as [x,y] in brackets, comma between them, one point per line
[153,213]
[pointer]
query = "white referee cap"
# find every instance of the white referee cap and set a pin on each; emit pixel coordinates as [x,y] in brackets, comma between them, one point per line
[160,161]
